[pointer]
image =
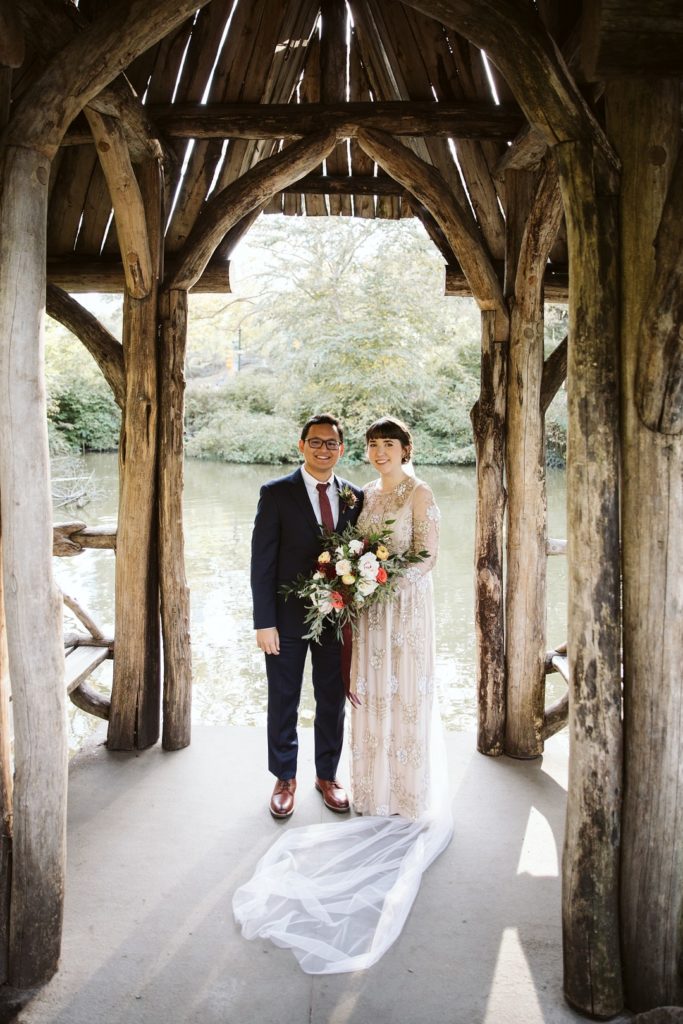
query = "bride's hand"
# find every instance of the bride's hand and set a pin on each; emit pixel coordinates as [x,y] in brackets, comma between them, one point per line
[354,699]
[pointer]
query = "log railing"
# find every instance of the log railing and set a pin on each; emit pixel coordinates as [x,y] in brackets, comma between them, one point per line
[84,651]
[555,716]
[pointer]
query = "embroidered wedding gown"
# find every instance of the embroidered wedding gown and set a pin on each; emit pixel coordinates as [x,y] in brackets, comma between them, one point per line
[338,894]
[393,663]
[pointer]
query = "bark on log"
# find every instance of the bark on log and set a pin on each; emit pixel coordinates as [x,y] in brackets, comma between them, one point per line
[556,717]
[102,346]
[534,213]
[659,377]
[33,606]
[129,213]
[134,718]
[237,200]
[5,789]
[592,971]
[175,595]
[644,120]
[72,538]
[488,423]
[425,182]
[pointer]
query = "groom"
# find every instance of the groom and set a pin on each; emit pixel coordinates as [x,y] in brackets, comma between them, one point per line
[291,513]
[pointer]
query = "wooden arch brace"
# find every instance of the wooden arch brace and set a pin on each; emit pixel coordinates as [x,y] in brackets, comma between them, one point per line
[129,212]
[102,346]
[251,190]
[427,185]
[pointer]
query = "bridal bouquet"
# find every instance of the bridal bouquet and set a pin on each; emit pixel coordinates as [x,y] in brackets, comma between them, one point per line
[354,571]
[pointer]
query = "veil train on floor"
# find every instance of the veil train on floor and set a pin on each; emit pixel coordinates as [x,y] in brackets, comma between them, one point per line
[338,894]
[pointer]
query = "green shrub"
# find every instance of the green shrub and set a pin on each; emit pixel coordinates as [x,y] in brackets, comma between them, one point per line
[237,435]
[85,415]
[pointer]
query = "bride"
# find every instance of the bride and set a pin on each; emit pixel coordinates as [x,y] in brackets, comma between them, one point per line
[339,894]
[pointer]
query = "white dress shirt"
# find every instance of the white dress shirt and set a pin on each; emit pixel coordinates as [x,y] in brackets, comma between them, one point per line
[314,494]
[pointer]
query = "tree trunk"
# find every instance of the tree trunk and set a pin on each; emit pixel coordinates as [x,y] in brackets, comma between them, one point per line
[644,120]
[590,874]
[5,790]
[134,717]
[488,422]
[175,596]
[33,605]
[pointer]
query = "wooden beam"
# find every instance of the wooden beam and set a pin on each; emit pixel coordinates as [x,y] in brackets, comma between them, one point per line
[659,377]
[33,606]
[6,772]
[84,274]
[252,190]
[554,374]
[105,349]
[349,185]
[427,185]
[488,424]
[174,592]
[90,701]
[644,119]
[136,690]
[79,71]
[131,228]
[534,214]
[632,39]
[12,44]
[466,119]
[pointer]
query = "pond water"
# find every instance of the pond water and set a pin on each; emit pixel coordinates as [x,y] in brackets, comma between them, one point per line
[220,501]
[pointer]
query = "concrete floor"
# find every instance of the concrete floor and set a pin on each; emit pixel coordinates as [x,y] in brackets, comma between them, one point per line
[158,842]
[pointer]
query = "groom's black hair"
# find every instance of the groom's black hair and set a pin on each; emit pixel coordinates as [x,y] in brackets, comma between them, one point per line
[322,417]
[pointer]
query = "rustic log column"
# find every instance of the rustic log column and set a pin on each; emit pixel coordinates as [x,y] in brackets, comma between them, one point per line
[33,606]
[175,596]
[534,212]
[644,121]
[5,789]
[488,422]
[135,700]
[590,873]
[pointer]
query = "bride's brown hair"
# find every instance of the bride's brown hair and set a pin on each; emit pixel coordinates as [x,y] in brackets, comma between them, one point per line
[389,428]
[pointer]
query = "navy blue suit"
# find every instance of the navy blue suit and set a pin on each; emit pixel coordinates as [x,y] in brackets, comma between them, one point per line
[285,543]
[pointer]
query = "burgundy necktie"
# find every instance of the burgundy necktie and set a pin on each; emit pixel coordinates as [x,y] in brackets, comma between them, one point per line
[325,508]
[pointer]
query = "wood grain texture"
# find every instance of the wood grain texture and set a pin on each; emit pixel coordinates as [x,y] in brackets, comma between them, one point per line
[488,423]
[32,601]
[174,592]
[644,121]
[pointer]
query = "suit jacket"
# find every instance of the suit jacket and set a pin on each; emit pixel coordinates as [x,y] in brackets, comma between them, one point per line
[286,541]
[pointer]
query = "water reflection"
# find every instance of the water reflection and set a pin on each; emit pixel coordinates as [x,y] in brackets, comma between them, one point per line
[220,500]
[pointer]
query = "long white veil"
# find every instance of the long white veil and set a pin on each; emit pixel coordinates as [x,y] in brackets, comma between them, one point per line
[338,894]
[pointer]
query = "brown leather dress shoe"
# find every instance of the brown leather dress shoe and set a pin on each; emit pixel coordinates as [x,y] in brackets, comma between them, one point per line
[334,795]
[282,800]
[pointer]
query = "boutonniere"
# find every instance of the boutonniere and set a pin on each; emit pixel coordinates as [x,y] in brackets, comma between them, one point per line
[347,497]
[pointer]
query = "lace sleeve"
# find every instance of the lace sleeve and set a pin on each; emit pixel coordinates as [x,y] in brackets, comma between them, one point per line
[426,518]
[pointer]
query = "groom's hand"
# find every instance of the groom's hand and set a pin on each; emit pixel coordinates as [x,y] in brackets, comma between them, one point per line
[268,640]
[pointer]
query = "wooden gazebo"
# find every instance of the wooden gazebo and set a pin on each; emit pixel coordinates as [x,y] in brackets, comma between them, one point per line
[539,145]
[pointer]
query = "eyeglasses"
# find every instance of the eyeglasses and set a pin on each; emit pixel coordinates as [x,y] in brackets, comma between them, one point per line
[318,442]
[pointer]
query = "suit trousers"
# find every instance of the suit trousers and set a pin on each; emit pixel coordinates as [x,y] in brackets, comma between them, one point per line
[285,676]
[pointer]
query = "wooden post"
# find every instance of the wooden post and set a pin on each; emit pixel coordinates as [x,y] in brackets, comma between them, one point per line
[590,872]
[534,213]
[5,790]
[175,596]
[488,422]
[135,702]
[33,606]
[644,121]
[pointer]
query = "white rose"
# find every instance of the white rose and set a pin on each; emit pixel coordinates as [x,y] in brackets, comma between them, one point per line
[356,546]
[343,567]
[366,587]
[368,566]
